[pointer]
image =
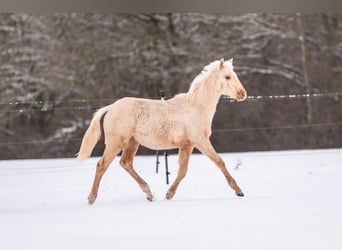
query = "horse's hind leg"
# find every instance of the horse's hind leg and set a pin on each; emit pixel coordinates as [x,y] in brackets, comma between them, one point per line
[207,149]
[126,162]
[108,156]
[183,161]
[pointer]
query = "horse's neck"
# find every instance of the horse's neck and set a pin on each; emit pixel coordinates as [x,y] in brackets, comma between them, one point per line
[206,97]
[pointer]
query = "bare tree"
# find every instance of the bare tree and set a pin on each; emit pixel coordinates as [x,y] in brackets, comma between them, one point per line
[304,65]
[56,69]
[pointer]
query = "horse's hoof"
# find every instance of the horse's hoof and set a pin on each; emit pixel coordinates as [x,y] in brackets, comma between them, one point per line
[240,194]
[169,195]
[149,198]
[91,200]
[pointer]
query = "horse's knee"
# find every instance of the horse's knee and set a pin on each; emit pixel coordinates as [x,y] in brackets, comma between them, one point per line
[125,163]
[100,167]
[122,162]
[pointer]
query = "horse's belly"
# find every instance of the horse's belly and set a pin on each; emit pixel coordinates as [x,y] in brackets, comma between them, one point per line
[164,133]
[155,143]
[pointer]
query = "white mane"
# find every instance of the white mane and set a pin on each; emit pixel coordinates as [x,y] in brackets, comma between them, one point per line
[206,72]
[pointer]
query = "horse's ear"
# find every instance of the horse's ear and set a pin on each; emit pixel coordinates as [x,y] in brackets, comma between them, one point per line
[221,63]
[230,61]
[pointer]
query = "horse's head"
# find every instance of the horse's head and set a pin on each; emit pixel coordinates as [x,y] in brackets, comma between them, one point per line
[228,81]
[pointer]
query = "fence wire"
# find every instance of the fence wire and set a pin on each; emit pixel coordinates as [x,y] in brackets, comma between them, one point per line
[45,107]
[291,96]
[49,105]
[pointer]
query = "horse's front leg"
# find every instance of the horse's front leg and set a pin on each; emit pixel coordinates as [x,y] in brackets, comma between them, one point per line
[184,155]
[206,148]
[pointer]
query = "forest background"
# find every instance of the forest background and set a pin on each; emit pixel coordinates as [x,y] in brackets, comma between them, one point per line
[57,69]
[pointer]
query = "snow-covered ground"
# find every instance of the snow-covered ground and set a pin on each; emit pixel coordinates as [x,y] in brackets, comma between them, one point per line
[293,201]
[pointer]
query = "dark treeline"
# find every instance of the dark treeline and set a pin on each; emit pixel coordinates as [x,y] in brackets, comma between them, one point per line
[57,69]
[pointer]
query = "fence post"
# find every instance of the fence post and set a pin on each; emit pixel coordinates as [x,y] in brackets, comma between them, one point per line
[162,97]
[157,161]
[166,168]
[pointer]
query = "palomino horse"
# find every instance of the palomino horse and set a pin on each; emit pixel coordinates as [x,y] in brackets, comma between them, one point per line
[182,122]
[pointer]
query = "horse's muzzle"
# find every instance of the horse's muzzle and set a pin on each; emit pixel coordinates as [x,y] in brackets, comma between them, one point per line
[241,95]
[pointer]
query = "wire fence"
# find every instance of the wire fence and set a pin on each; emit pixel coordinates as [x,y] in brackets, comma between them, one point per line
[291,96]
[311,125]
[88,104]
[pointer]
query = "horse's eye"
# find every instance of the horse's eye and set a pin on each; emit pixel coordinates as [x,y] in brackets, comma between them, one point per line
[227,77]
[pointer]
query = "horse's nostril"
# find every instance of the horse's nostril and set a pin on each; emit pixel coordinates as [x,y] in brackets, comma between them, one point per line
[242,94]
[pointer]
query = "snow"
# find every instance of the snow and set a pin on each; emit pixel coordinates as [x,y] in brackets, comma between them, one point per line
[293,201]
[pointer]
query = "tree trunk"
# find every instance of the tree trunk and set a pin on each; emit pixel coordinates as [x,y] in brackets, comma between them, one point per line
[304,66]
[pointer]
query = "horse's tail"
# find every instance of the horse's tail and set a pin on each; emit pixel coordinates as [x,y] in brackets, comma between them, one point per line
[93,134]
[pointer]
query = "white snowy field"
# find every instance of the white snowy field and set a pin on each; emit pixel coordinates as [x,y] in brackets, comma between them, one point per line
[293,201]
